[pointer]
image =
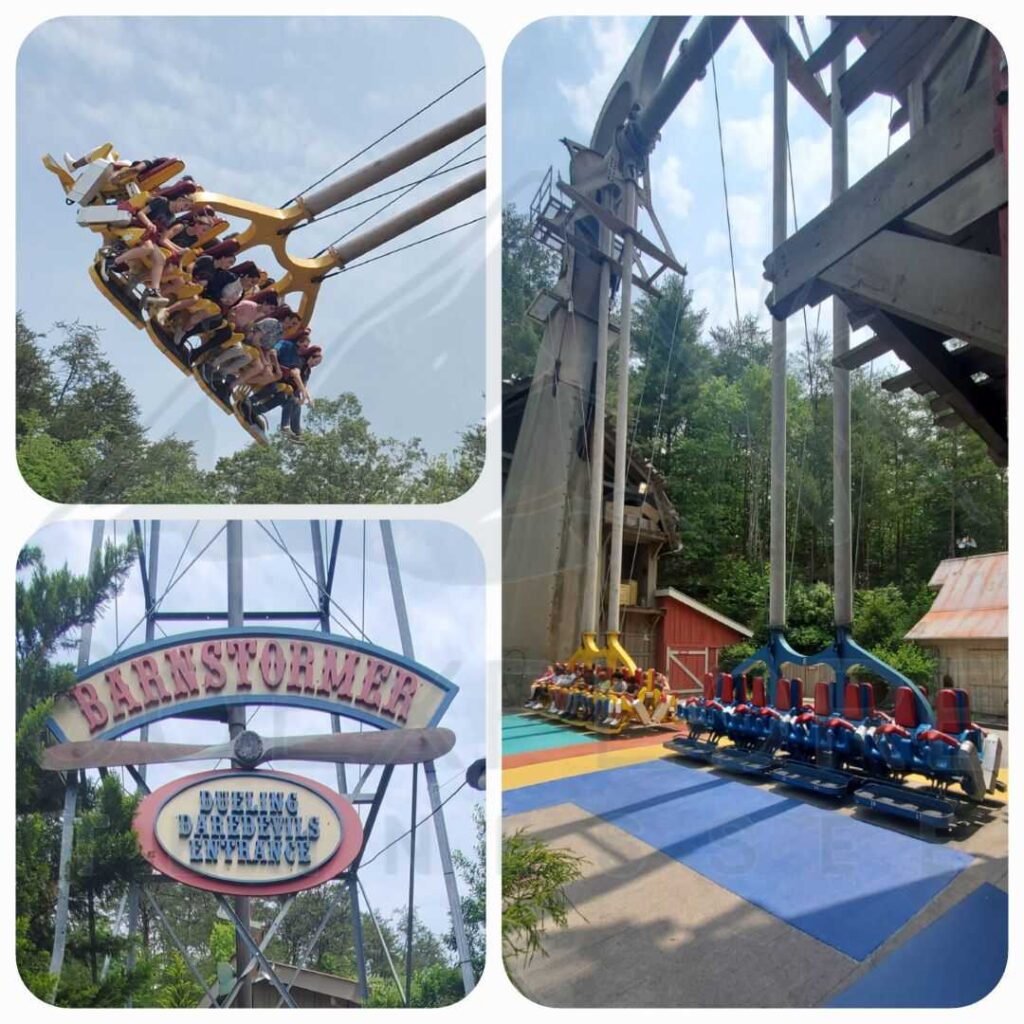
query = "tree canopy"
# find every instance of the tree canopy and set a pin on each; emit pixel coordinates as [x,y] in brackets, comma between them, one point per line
[80,438]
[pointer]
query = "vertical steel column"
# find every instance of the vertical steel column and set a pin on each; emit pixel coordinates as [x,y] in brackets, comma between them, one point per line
[60,928]
[592,568]
[777,548]
[450,882]
[412,890]
[152,570]
[324,579]
[621,416]
[841,497]
[236,725]
[397,593]
[430,773]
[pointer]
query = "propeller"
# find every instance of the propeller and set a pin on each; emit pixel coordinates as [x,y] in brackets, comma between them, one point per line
[387,746]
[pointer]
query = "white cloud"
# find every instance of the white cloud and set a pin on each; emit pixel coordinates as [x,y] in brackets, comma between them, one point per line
[750,138]
[749,63]
[750,227]
[716,243]
[611,41]
[668,185]
[690,112]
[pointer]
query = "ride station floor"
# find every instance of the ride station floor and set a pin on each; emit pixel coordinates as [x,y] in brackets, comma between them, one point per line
[701,888]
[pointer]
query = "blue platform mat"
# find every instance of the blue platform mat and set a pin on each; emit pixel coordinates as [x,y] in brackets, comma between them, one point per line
[955,961]
[523,734]
[846,882]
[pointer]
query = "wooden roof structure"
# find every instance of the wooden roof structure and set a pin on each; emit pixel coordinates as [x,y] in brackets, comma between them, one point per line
[916,249]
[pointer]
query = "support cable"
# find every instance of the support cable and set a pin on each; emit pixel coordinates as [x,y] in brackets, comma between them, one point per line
[420,823]
[381,138]
[322,590]
[411,245]
[403,191]
[725,188]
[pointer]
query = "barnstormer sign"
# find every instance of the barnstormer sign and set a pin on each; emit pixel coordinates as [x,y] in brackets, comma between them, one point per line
[296,668]
[248,832]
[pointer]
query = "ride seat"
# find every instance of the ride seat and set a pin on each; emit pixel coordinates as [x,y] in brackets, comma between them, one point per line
[728,689]
[757,697]
[948,713]
[709,686]
[853,708]
[822,702]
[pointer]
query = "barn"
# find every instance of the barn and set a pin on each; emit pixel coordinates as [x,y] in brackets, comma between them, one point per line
[967,628]
[689,637]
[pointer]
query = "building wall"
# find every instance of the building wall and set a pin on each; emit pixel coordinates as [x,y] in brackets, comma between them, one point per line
[982,668]
[686,637]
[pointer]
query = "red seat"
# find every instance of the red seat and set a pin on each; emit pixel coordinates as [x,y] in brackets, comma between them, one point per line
[947,712]
[728,689]
[783,699]
[758,698]
[905,708]
[709,686]
[852,709]
[822,704]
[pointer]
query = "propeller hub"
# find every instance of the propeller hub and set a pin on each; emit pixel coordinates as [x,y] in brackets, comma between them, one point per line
[248,748]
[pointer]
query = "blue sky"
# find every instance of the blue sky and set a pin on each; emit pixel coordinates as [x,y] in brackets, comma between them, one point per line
[442,577]
[557,73]
[259,108]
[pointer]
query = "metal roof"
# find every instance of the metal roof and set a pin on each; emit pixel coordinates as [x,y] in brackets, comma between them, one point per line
[971,603]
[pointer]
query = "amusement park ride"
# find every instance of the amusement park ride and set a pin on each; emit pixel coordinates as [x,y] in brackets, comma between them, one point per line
[943,203]
[249,832]
[164,287]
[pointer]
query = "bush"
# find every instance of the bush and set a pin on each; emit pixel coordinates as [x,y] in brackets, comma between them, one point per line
[533,881]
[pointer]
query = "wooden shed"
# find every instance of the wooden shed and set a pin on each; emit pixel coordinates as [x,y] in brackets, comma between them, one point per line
[689,637]
[967,627]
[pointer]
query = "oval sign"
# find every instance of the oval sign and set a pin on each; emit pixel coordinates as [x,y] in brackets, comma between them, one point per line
[242,832]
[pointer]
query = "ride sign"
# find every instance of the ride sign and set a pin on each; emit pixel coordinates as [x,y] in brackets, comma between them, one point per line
[256,832]
[296,668]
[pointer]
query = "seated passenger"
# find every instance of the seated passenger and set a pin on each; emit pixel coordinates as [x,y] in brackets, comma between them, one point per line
[155,218]
[250,275]
[539,688]
[297,358]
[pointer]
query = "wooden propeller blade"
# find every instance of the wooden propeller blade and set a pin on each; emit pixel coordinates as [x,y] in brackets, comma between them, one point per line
[117,753]
[387,746]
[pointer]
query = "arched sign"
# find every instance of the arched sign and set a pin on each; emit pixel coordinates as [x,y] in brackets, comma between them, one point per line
[259,833]
[217,668]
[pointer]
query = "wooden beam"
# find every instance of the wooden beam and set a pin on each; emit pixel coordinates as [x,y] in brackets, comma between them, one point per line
[764,30]
[619,227]
[957,292]
[863,353]
[902,381]
[889,63]
[935,157]
[922,350]
[844,32]
[978,194]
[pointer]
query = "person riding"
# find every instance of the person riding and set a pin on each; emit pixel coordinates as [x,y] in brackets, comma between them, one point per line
[155,218]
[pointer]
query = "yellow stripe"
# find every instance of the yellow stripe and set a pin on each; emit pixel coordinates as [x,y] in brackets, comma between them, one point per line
[548,771]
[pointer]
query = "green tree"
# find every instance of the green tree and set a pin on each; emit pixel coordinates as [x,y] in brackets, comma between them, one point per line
[534,877]
[527,267]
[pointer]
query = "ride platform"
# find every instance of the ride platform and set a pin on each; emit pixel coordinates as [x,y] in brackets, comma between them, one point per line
[740,761]
[922,808]
[827,782]
[691,748]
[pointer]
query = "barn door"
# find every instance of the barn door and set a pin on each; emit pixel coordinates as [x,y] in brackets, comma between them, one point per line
[686,668]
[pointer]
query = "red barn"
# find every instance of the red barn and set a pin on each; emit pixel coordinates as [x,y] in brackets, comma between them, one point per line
[689,637]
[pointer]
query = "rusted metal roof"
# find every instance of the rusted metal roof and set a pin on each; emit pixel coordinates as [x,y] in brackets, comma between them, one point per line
[971,603]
